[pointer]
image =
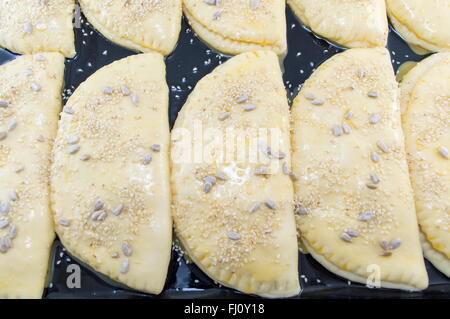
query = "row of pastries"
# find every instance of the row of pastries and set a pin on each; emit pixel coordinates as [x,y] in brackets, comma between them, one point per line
[229,26]
[332,176]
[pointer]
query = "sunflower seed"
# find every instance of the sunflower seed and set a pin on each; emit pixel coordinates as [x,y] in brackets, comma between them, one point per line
[107,90]
[210,179]
[125,90]
[395,243]
[27,28]
[99,216]
[19,169]
[337,131]
[300,209]
[85,157]
[374,178]
[374,157]
[126,249]
[124,266]
[346,128]
[270,204]
[242,99]
[155,148]
[371,186]
[147,159]
[207,187]
[366,216]
[374,118]
[72,149]
[443,152]
[118,209]
[3,135]
[13,196]
[348,115]
[352,233]
[382,146]
[262,170]
[64,222]
[135,99]
[221,176]
[310,97]
[249,107]
[5,208]
[4,223]
[4,104]
[318,102]
[223,116]
[254,207]
[373,94]
[12,125]
[68,110]
[346,237]
[12,232]
[35,87]
[73,140]
[233,235]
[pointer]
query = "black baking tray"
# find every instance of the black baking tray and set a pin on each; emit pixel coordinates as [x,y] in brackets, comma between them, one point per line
[190,61]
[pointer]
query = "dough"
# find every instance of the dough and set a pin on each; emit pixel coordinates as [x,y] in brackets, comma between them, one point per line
[350,23]
[422,23]
[110,184]
[355,207]
[32,26]
[30,101]
[141,25]
[232,203]
[426,122]
[236,26]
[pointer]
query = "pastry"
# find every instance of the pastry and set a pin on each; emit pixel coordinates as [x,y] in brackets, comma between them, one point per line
[37,26]
[426,122]
[350,23]
[141,25]
[422,23]
[30,101]
[236,26]
[110,174]
[231,182]
[354,203]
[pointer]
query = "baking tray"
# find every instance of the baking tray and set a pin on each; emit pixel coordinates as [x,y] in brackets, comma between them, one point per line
[192,60]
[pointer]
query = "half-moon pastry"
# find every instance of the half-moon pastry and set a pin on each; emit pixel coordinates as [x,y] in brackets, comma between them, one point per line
[30,101]
[232,193]
[236,26]
[28,27]
[110,175]
[140,25]
[422,23]
[354,203]
[426,122]
[350,23]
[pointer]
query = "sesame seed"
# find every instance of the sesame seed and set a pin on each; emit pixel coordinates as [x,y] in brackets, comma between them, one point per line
[98,205]
[40,58]
[300,209]
[27,28]
[12,232]
[279,155]
[346,128]
[346,237]
[310,97]
[285,169]
[124,266]
[4,223]
[68,110]
[242,99]
[3,135]
[348,115]
[337,131]
[107,90]
[443,152]
[374,118]
[40,138]
[19,169]
[125,90]
[217,15]
[262,170]
[395,243]
[210,2]
[382,146]
[374,178]
[223,116]
[207,187]
[98,216]
[155,148]
[293,176]
[147,159]
[254,207]
[85,157]
[13,196]
[254,4]
[72,149]
[135,99]
[12,125]
[373,94]
[210,179]
[5,208]
[73,140]
[371,186]
[374,157]
[126,249]
[64,222]
[221,176]
[318,102]
[270,204]
[352,232]
[366,216]
[384,244]
[35,87]
[249,107]
[118,209]
[361,73]
[4,104]
[233,235]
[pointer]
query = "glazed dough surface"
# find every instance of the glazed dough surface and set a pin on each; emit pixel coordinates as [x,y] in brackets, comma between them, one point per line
[28,27]
[236,26]
[426,122]
[353,193]
[423,23]
[30,121]
[141,25]
[254,251]
[350,23]
[103,159]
